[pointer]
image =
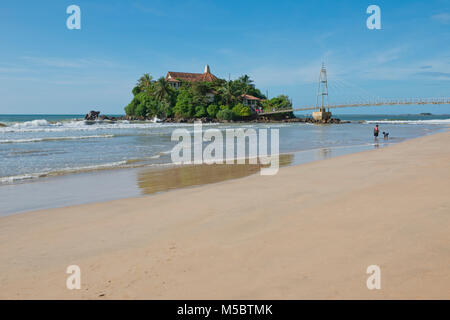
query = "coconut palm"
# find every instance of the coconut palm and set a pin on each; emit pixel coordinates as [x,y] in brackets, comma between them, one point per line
[228,93]
[162,90]
[245,84]
[145,82]
[245,79]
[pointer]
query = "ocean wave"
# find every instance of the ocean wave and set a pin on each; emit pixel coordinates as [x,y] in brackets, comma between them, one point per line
[56,138]
[58,172]
[42,125]
[32,123]
[130,163]
[431,121]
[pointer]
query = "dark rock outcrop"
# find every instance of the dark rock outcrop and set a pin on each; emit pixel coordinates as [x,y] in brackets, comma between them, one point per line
[92,115]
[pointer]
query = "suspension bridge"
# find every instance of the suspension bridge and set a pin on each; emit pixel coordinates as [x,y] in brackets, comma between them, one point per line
[322,105]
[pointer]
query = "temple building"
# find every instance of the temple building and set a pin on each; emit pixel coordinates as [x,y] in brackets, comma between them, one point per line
[253,102]
[175,78]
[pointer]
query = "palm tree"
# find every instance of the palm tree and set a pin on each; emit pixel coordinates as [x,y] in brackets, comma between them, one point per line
[145,82]
[245,83]
[245,79]
[227,92]
[162,90]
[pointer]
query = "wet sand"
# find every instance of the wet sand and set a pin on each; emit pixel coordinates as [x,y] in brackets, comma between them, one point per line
[105,185]
[308,232]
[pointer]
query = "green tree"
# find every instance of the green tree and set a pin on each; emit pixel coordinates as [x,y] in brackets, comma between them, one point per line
[136,90]
[184,106]
[277,103]
[143,105]
[145,82]
[141,110]
[200,112]
[237,110]
[245,79]
[165,110]
[228,93]
[244,84]
[130,109]
[225,114]
[240,111]
[212,110]
[152,106]
[162,90]
[199,91]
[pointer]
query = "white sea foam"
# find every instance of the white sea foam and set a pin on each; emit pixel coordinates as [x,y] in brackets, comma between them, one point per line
[133,163]
[42,125]
[431,121]
[56,138]
[36,175]
[32,123]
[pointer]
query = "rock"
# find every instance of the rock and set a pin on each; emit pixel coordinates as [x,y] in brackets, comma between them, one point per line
[103,117]
[2,125]
[92,115]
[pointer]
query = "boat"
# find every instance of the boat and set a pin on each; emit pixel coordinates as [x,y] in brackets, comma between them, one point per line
[156,120]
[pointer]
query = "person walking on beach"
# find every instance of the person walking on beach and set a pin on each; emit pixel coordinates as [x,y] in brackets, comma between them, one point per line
[376,131]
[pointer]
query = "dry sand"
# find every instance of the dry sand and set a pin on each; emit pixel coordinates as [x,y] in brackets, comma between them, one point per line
[308,232]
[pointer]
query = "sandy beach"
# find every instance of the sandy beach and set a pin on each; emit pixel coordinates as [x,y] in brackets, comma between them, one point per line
[308,232]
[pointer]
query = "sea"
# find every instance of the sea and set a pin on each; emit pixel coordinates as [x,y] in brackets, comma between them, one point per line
[51,161]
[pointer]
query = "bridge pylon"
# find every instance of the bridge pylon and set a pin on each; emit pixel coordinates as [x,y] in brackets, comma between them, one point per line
[322,97]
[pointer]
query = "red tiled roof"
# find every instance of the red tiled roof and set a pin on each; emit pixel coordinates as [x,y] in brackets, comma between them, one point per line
[190,77]
[249,97]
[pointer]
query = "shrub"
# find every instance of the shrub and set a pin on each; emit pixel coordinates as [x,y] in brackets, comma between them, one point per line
[184,106]
[225,114]
[241,111]
[212,110]
[200,112]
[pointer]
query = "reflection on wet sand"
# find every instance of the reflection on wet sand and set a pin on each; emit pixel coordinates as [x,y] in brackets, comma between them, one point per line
[157,180]
[325,153]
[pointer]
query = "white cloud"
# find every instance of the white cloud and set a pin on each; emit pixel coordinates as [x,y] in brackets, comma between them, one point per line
[11,69]
[442,17]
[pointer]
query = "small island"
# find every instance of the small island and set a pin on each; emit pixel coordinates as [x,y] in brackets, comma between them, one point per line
[184,97]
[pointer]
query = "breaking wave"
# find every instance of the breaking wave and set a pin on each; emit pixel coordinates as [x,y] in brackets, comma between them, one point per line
[42,125]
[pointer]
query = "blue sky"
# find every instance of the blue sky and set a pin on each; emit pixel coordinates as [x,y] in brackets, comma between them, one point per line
[46,68]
